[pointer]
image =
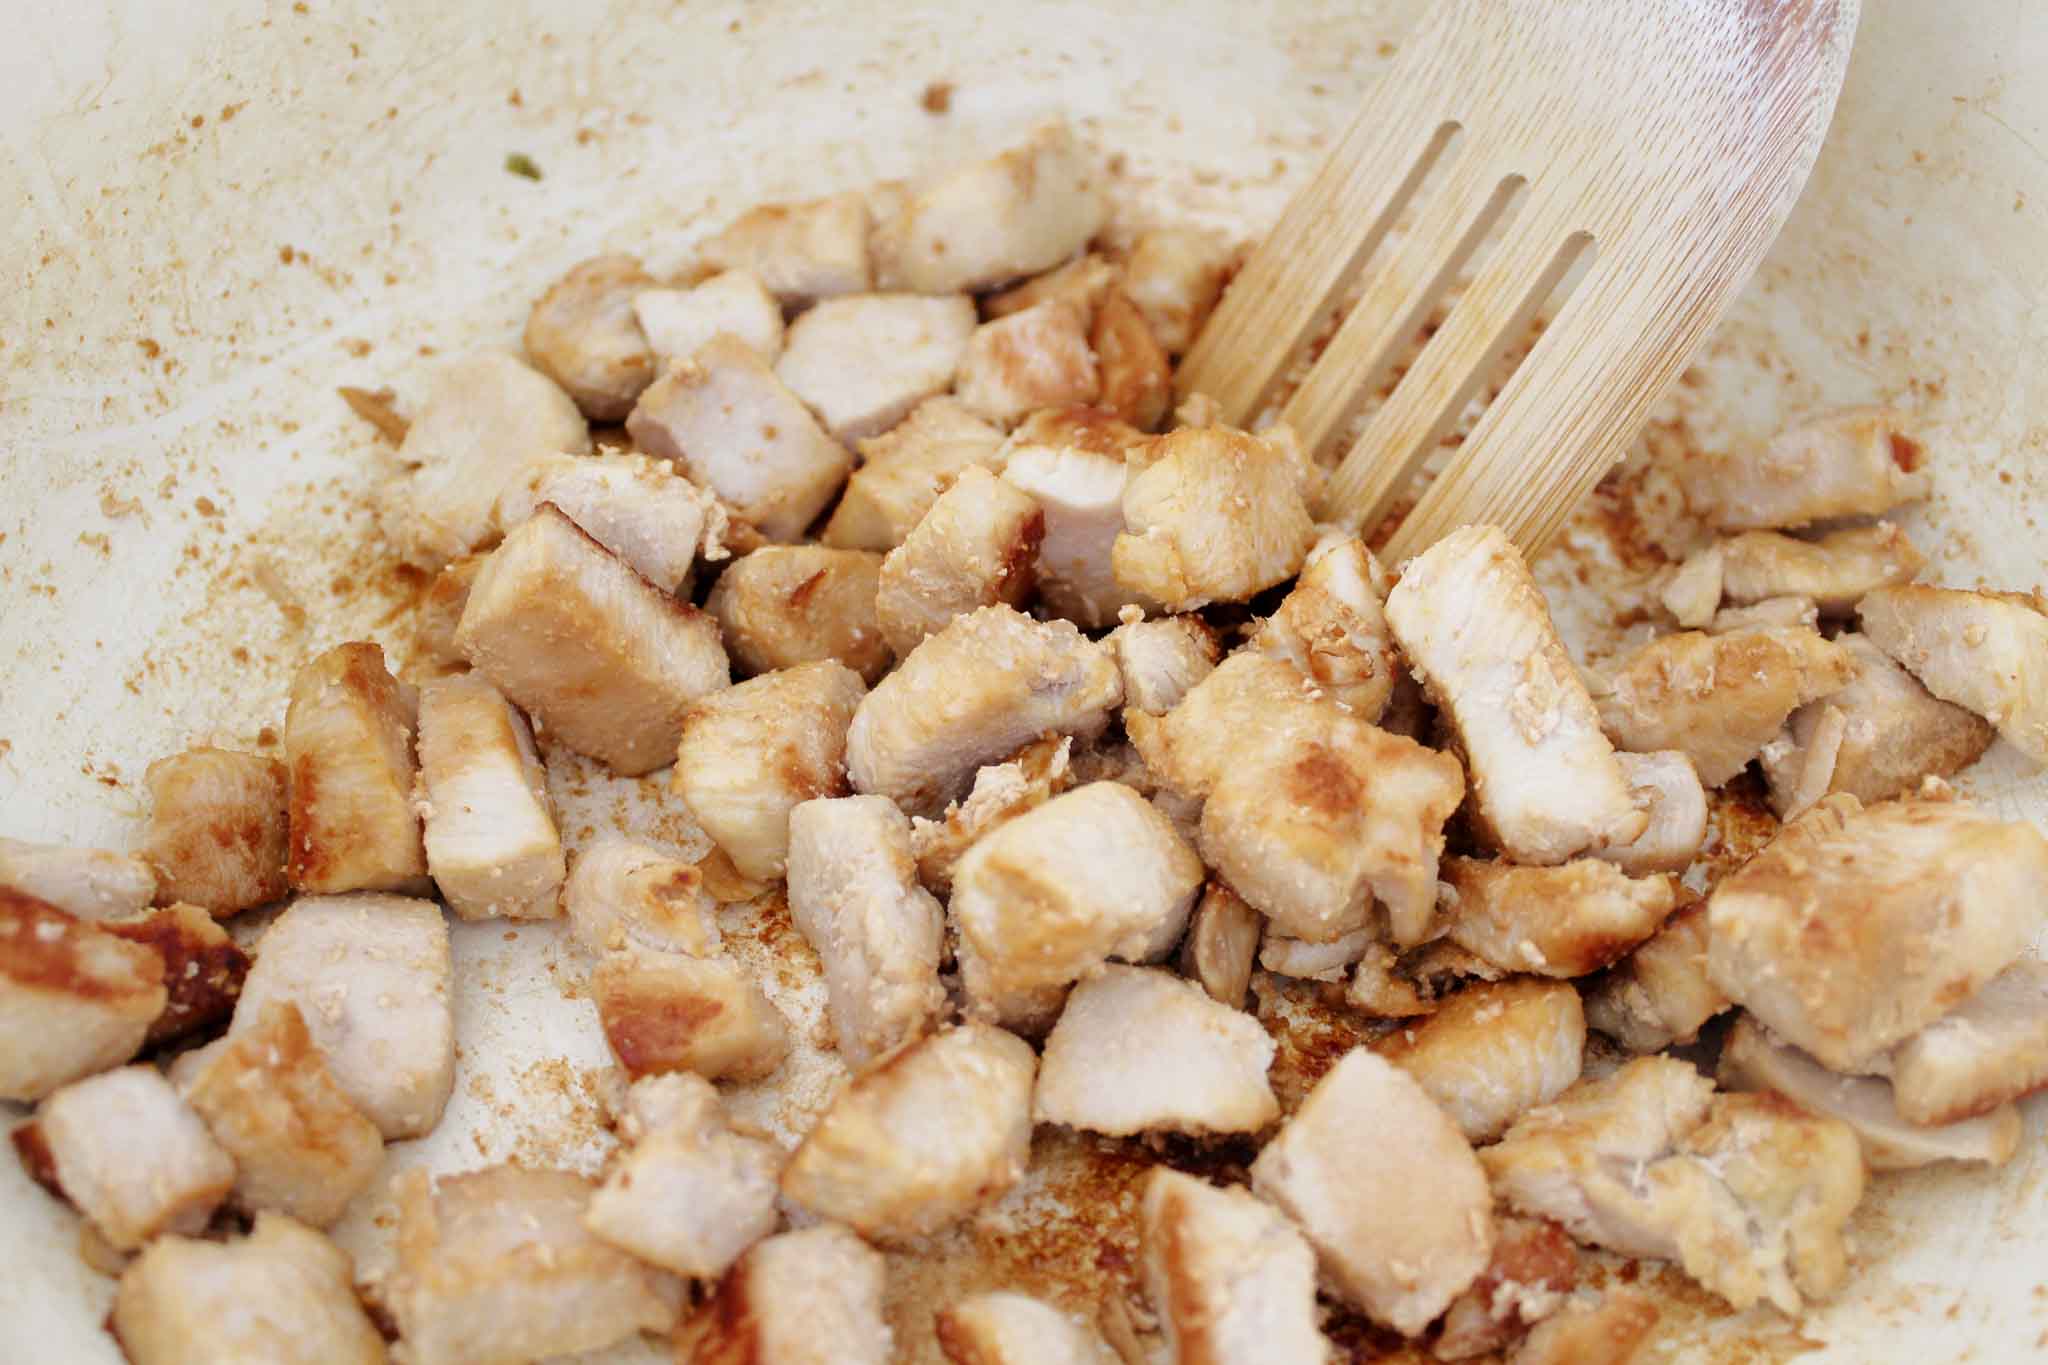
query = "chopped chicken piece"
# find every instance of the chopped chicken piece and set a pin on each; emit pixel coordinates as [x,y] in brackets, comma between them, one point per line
[1475,630]
[1039,358]
[1162,660]
[348,741]
[1659,994]
[1856,928]
[74,999]
[902,473]
[1991,1049]
[1175,275]
[130,1154]
[785,605]
[1002,791]
[976,547]
[1670,790]
[90,883]
[1610,1332]
[299,1145]
[1752,1060]
[1215,515]
[495,1266]
[1081,493]
[1534,1267]
[678,321]
[284,1295]
[800,252]
[1719,699]
[492,846]
[988,683]
[1332,626]
[670,1012]
[435,617]
[1232,1280]
[1856,463]
[623,894]
[605,663]
[1493,1051]
[1092,874]
[1399,1236]
[1083,282]
[1553,921]
[1006,1328]
[1984,651]
[1017,213]
[203,968]
[1773,613]
[854,895]
[1834,571]
[812,1297]
[582,333]
[863,362]
[1137,374]
[1376,989]
[218,829]
[1222,944]
[1284,955]
[735,428]
[652,518]
[921,1139]
[1692,593]
[1801,774]
[1078,426]
[754,752]
[1139,1050]
[370,975]
[1192,747]
[689,1194]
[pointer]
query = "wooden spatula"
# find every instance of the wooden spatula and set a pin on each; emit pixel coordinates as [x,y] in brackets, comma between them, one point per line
[1665,140]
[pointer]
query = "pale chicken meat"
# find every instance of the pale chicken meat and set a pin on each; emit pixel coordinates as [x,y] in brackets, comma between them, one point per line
[1988,1051]
[1232,1279]
[283,1295]
[218,829]
[1081,493]
[1139,1050]
[991,681]
[621,893]
[854,896]
[90,883]
[1401,1235]
[1834,571]
[370,975]
[1668,788]
[1858,927]
[666,1012]
[1554,921]
[584,335]
[677,321]
[1801,774]
[1534,1269]
[651,518]
[1475,629]
[1861,462]
[496,1267]
[348,744]
[1493,1051]
[1691,591]
[903,471]
[1284,955]
[862,362]
[1612,1331]
[976,547]
[1380,991]
[1222,945]
[784,605]
[810,1297]
[1984,651]
[1007,1328]
[1659,994]
[1135,371]
[1191,748]
[1175,275]
[800,252]
[74,999]
[491,840]
[203,969]
[1039,358]
[922,1138]
[435,617]
[1212,515]
[1084,282]
[1162,660]
[1332,625]
[602,661]
[1773,613]
[1002,791]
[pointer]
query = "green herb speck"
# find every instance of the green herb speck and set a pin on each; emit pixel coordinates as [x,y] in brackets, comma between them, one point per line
[519,163]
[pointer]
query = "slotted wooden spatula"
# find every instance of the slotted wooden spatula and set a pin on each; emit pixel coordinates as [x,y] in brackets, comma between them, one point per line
[1664,140]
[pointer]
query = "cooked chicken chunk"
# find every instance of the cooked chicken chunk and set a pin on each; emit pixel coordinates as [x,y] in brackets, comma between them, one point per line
[1856,928]
[74,999]
[903,472]
[492,845]
[1161,660]
[1175,275]
[1215,515]
[678,321]
[1991,1049]
[689,1194]
[812,1297]
[1232,1280]
[733,427]
[90,883]
[1773,613]
[435,617]
[670,1012]
[1801,774]
[1719,699]
[650,517]
[348,742]
[1332,627]
[130,1154]
[284,1295]
[1084,282]
[1553,921]
[1494,1051]
[1039,358]
[1835,570]
[800,252]
[1984,651]
[623,894]
[1692,592]
[203,969]
[496,1266]
[218,831]
[602,660]
[370,975]
[1002,791]
[1094,873]
[300,1146]
[1081,493]
[1005,1328]
[1659,994]
[785,605]
[1610,1332]
[1284,955]
[864,361]
[1378,990]
[1192,747]
[976,547]
[1017,213]
[1403,1234]
[988,683]
[582,333]
[854,895]
[1476,632]
[1534,1267]
[1137,374]
[1669,790]
[1862,462]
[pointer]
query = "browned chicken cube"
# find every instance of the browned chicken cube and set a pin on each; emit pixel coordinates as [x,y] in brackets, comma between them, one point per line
[652,518]
[1222,944]
[1213,515]
[902,473]
[583,335]
[1494,1051]
[862,362]
[976,547]
[1862,462]
[1612,1331]
[1232,1280]
[621,893]
[348,742]
[203,968]
[1039,358]
[1002,791]
[1833,571]
[435,617]
[1137,373]
[1984,651]
[91,883]
[218,829]
[669,1012]
[1553,921]
[785,605]
[1333,627]
[1175,275]
[1084,282]
[1669,790]
[74,999]
[802,252]
[812,1297]
[1534,1269]
[1659,994]
[1191,748]
[1988,1051]
[677,321]
[492,846]
[1162,660]
[1007,1328]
